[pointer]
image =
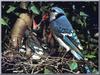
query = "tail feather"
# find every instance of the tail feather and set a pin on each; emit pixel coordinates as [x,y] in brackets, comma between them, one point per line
[80,58]
[87,69]
[76,53]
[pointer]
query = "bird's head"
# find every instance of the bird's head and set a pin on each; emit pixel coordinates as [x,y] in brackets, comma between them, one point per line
[56,12]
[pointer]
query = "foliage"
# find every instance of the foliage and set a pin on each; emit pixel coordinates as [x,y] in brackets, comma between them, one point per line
[3,22]
[73,65]
[34,10]
[11,9]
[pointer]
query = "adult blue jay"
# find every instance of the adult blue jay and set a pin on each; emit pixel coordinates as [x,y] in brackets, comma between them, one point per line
[65,34]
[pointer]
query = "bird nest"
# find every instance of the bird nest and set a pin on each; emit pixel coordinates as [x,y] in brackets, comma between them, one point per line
[54,60]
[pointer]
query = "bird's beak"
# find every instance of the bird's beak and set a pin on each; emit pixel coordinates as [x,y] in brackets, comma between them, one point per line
[45,16]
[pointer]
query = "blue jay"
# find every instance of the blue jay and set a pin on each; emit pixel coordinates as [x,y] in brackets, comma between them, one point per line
[65,34]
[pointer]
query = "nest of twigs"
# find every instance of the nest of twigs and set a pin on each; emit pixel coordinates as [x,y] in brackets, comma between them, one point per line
[16,62]
[53,61]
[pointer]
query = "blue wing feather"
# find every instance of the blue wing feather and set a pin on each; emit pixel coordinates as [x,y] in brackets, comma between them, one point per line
[73,47]
[62,25]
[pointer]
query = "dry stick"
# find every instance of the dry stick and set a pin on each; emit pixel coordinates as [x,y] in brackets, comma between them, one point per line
[38,71]
[37,66]
[18,71]
[25,69]
[32,70]
[93,64]
[42,64]
[47,64]
[64,55]
[7,46]
[55,67]
[7,63]
[69,70]
[17,68]
[10,69]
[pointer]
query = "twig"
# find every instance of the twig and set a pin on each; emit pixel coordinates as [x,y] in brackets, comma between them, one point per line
[38,71]
[69,70]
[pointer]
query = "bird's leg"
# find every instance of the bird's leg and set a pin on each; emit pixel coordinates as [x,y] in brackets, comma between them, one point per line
[64,54]
[60,49]
[60,41]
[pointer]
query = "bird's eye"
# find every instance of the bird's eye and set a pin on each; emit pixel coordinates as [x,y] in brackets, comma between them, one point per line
[53,10]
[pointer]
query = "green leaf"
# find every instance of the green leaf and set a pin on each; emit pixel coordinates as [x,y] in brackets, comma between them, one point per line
[46,8]
[73,65]
[80,22]
[95,71]
[83,14]
[47,71]
[2,21]
[67,14]
[35,10]
[93,52]
[73,18]
[17,13]
[90,56]
[11,9]
[94,8]
[6,19]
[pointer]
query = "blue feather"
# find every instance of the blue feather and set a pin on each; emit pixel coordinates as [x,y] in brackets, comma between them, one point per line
[73,47]
[87,69]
